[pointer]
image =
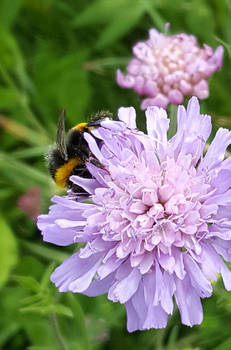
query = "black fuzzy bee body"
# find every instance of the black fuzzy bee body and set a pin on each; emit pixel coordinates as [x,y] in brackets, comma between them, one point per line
[69,158]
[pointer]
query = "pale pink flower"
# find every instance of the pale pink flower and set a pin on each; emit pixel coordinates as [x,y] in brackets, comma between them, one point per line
[167,68]
[30,202]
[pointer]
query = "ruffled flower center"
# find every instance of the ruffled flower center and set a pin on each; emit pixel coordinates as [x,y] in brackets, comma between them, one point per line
[154,209]
[173,65]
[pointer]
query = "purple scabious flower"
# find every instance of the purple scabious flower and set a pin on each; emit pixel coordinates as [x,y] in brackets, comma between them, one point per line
[167,68]
[157,223]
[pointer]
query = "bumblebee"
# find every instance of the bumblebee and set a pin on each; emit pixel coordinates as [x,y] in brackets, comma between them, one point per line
[69,158]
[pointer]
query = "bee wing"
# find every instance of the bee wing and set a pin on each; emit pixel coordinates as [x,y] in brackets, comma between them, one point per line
[60,139]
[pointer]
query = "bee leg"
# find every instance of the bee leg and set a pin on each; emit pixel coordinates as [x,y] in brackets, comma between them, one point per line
[96,163]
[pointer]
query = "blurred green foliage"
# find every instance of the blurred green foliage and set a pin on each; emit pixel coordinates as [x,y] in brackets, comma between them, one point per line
[64,53]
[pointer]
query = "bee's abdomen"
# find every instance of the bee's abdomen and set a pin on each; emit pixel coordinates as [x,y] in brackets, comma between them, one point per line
[63,173]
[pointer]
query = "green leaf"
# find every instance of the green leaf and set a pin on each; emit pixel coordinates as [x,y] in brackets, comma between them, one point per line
[62,81]
[5,193]
[127,19]
[62,310]
[21,173]
[101,11]
[11,59]
[8,331]
[40,348]
[225,44]
[200,19]
[28,282]
[9,11]
[8,251]
[38,330]
[158,20]
[10,55]
[46,277]
[73,89]
[20,131]
[31,299]
[31,152]
[45,252]
[8,98]
[99,65]
[79,319]
[226,345]
[172,340]
[42,309]
[29,266]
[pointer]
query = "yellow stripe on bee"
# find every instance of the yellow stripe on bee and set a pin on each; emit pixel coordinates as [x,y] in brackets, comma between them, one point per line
[82,126]
[62,174]
[79,126]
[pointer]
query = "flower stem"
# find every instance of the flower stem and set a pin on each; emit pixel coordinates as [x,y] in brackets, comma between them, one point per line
[57,333]
[79,319]
[159,339]
[173,120]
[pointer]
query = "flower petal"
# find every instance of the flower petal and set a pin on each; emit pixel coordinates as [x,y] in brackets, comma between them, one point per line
[216,151]
[188,302]
[193,130]
[157,127]
[99,286]
[75,274]
[128,116]
[124,289]
[197,278]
